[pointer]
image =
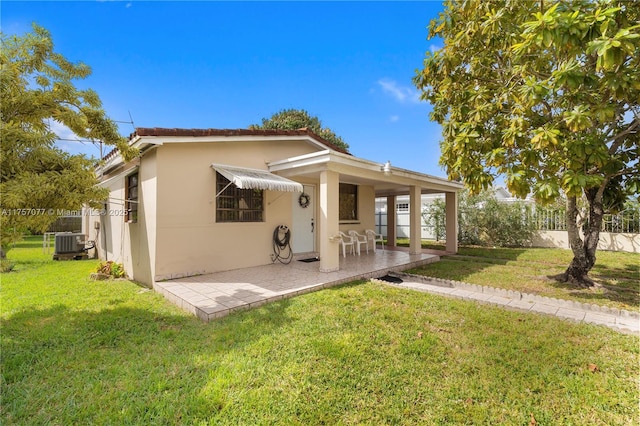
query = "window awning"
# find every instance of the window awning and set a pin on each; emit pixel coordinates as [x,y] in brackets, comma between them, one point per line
[245,178]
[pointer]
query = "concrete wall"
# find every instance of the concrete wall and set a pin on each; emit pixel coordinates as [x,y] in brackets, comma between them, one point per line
[189,241]
[176,234]
[143,233]
[608,241]
[106,225]
[131,244]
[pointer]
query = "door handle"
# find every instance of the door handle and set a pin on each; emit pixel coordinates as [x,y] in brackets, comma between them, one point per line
[312,224]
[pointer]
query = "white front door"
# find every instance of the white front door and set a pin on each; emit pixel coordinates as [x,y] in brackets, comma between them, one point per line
[304,224]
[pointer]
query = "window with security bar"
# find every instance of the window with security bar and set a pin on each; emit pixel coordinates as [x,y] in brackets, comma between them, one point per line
[238,205]
[348,202]
[131,199]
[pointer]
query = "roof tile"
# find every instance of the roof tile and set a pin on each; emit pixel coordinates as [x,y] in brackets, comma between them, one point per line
[161,131]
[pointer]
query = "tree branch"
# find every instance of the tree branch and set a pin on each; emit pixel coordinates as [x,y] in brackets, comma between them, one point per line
[619,138]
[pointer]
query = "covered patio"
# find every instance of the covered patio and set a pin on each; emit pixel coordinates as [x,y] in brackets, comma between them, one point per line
[215,295]
[330,169]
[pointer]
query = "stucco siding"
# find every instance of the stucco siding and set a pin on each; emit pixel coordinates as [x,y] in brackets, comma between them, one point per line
[189,241]
[143,233]
[113,238]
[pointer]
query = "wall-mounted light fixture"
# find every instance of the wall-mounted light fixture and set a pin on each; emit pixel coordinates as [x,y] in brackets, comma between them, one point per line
[386,168]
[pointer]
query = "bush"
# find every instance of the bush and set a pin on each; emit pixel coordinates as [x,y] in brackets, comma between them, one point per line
[483,220]
[116,270]
[6,265]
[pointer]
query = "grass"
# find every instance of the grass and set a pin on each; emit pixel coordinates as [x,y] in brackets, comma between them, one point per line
[530,270]
[81,352]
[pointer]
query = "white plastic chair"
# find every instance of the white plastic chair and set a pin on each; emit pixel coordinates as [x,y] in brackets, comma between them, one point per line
[375,238]
[346,241]
[359,240]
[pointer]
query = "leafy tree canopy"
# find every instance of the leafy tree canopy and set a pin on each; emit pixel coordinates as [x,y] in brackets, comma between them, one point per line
[293,119]
[36,178]
[545,93]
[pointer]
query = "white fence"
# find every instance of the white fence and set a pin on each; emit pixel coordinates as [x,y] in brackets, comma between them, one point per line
[403,227]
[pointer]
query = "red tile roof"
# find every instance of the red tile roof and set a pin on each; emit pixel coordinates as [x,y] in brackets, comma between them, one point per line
[159,131]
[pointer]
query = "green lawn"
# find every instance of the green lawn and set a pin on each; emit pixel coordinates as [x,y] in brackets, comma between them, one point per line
[529,270]
[81,352]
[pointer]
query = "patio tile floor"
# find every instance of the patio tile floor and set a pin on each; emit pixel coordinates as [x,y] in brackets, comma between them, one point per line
[214,295]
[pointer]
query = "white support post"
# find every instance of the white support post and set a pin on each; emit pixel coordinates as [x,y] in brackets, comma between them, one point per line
[451,208]
[415,220]
[391,221]
[329,221]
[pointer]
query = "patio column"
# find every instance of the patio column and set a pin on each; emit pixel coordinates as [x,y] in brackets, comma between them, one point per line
[415,220]
[329,221]
[451,221]
[391,221]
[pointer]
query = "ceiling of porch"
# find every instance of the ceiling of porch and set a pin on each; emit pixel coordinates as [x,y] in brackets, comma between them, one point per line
[358,171]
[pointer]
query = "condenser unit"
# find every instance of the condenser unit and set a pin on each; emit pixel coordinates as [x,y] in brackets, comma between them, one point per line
[70,246]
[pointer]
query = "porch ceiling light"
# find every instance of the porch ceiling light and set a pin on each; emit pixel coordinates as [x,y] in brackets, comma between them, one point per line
[386,168]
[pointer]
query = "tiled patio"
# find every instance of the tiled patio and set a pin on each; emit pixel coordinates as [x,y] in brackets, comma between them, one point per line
[215,295]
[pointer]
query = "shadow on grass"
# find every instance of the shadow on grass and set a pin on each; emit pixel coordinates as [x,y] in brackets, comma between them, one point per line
[121,364]
[628,271]
[629,298]
[620,284]
[29,241]
[458,268]
[497,254]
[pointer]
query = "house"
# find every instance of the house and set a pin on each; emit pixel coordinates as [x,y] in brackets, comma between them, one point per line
[198,201]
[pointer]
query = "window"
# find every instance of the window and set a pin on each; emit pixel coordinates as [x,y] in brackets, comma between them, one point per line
[348,201]
[237,205]
[131,199]
[402,207]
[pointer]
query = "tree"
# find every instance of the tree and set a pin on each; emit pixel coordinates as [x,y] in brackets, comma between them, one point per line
[545,93]
[293,119]
[37,180]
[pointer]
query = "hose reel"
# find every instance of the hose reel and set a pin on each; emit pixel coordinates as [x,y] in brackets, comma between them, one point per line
[281,245]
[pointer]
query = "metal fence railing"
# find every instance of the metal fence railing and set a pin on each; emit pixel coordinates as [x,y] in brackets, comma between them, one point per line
[623,222]
[549,220]
[542,220]
[555,220]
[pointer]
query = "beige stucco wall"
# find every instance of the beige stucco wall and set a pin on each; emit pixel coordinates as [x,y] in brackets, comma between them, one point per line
[131,244]
[176,234]
[608,241]
[143,233]
[189,241]
[111,236]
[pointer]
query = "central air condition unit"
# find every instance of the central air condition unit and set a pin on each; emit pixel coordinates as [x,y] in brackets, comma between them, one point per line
[70,245]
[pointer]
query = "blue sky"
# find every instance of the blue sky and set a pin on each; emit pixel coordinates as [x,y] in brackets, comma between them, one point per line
[230,64]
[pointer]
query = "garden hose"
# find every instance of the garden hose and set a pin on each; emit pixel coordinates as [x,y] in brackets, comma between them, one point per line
[281,240]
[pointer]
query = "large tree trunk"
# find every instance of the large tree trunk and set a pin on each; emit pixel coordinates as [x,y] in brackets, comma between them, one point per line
[584,250]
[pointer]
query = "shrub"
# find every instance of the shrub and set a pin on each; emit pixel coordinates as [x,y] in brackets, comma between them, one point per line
[483,220]
[116,270]
[6,265]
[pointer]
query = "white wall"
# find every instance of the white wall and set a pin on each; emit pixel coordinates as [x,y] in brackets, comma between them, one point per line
[608,241]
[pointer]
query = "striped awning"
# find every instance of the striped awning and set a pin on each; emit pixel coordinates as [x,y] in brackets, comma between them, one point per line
[245,178]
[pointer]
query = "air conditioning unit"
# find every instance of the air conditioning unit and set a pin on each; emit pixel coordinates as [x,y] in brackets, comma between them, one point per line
[70,246]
